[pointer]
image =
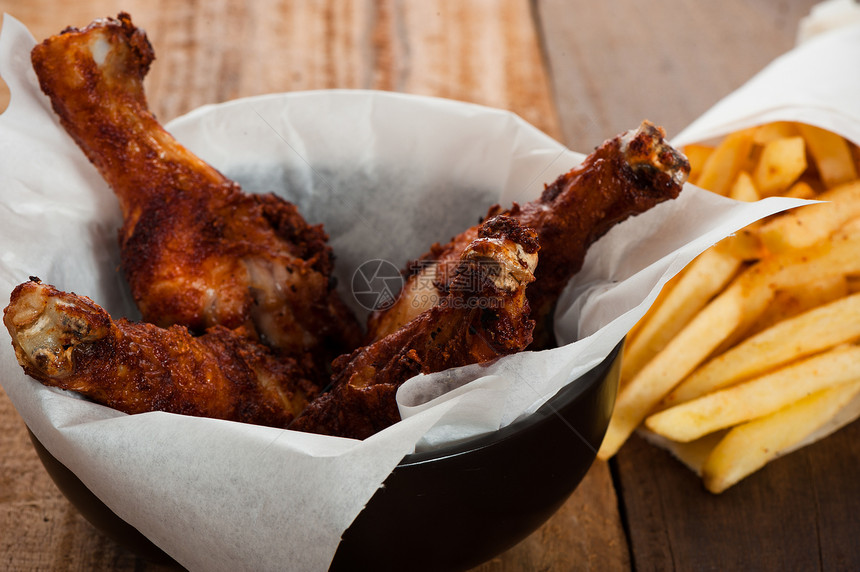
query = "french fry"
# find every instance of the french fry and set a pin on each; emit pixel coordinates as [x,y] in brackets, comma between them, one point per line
[781,163]
[740,303]
[799,337]
[744,245]
[757,397]
[703,278]
[831,153]
[809,224]
[697,155]
[665,294]
[791,302]
[849,229]
[743,189]
[801,190]
[823,260]
[786,303]
[693,454]
[764,134]
[748,447]
[724,163]
[821,264]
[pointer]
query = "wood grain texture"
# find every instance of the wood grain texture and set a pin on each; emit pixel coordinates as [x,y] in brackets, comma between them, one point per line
[616,63]
[485,52]
[799,512]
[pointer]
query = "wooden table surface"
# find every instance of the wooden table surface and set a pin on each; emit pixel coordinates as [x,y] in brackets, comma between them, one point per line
[581,71]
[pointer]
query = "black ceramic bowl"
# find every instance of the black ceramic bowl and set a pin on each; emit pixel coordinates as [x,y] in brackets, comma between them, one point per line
[452,508]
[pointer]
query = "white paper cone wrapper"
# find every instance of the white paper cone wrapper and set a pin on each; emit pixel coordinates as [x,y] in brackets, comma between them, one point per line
[818,82]
[388,175]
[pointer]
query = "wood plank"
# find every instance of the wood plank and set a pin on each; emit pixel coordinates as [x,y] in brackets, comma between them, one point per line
[799,512]
[485,52]
[833,465]
[616,63]
[670,62]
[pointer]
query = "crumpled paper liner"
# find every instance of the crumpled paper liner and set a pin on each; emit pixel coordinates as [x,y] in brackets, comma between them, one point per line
[817,83]
[388,175]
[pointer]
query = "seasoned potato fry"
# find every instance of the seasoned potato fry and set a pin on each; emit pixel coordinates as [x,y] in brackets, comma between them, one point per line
[831,153]
[757,397]
[804,226]
[748,447]
[821,261]
[801,190]
[665,294]
[791,302]
[764,134]
[697,155]
[744,245]
[726,161]
[744,189]
[850,230]
[799,337]
[703,278]
[693,454]
[786,303]
[781,163]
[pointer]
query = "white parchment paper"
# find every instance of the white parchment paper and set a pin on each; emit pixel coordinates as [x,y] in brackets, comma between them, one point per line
[388,175]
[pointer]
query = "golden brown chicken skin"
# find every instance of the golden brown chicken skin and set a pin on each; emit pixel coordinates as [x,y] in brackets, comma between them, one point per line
[625,176]
[196,250]
[483,315]
[67,341]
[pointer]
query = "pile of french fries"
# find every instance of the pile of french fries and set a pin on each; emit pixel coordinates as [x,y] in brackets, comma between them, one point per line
[753,348]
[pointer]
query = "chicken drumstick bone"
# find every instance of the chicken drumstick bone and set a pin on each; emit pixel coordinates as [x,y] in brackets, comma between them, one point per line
[483,315]
[195,249]
[625,176]
[67,341]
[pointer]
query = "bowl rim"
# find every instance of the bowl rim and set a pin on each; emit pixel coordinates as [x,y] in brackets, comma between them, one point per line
[563,397]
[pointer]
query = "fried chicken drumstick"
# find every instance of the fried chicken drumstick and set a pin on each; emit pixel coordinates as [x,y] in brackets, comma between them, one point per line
[67,341]
[196,250]
[483,315]
[625,176]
